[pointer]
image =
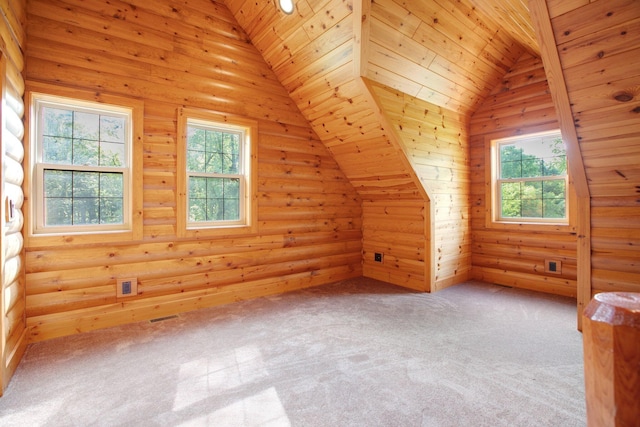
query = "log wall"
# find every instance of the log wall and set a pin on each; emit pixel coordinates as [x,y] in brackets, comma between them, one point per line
[171,56]
[436,142]
[598,43]
[313,54]
[521,104]
[13,334]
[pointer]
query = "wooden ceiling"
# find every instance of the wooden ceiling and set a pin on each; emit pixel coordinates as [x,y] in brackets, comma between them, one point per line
[451,53]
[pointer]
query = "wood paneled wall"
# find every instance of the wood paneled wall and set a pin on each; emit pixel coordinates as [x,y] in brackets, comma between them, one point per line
[436,142]
[13,334]
[521,104]
[192,55]
[312,54]
[599,47]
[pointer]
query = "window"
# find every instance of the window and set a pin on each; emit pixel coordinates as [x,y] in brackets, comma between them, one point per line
[531,182]
[82,157]
[217,164]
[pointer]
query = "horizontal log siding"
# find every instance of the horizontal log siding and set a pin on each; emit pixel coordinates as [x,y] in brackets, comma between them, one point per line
[521,104]
[435,141]
[13,331]
[312,53]
[599,47]
[192,55]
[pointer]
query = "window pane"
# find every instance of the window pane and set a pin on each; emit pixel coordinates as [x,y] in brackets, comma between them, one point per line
[112,129]
[554,208]
[197,188]
[532,190]
[195,161]
[214,163]
[231,149]
[522,189]
[87,139]
[554,189]
[531,167]
[215,188]
[215,210]
[197,210]
[231,188]
[58,184]
[56,150]
[231,209]
[85,152]
[58,211]
[511,208]
[214,141]
[112,185]
[532,208]
[86,184]
[555,166]
[86,210]
[86,125]
[111,210]
[112,154]
[196,139]
[57,122]
[214,199]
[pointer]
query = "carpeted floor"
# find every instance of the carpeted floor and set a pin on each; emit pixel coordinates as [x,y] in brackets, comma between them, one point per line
[355,353]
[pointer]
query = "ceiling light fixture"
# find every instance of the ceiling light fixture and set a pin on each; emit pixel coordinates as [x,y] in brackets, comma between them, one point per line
[286,6]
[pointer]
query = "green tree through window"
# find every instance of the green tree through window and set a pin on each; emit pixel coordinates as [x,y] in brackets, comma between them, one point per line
[532,178]
[215,175]
[85,139]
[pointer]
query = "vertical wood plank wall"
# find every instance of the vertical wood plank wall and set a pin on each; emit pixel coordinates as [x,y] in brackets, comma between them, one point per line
[599,47]
[195,55]
[521,104]
[13,336]
[436,142]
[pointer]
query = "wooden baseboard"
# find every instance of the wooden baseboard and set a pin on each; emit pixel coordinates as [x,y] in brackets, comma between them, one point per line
[83,320]
[551,285]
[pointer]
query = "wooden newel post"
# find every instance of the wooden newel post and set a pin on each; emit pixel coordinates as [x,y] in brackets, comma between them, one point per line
[611,338]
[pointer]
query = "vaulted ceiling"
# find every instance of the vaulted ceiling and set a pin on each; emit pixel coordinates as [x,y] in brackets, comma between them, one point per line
[451,53]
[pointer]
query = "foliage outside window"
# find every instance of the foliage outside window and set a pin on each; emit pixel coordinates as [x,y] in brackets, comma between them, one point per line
[217,180]
[215,174]
[82,159]
[531,183]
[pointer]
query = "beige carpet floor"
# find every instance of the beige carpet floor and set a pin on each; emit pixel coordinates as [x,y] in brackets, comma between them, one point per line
[354,353]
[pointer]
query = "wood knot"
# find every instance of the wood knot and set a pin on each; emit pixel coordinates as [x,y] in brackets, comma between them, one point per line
[623,96]
[636,110]
[600,54]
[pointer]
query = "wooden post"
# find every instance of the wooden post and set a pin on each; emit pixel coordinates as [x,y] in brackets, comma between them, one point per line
[611,338]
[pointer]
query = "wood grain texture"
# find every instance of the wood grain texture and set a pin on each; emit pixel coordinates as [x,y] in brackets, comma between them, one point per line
[611,358]
[312,52]
[509,256]
[13,330]
[193,55]
[435,142]
[598,44]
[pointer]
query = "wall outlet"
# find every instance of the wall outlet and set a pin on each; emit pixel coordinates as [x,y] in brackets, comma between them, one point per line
[126,287]
[552,266]
[377,257]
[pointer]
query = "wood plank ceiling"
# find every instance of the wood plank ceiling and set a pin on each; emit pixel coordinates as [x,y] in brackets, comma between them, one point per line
[448,53]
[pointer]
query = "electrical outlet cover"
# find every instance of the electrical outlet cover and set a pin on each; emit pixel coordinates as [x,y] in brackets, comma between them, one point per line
[127,287]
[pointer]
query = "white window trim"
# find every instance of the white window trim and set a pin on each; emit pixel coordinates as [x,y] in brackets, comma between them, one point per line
[131,228]
[492,195]
[248,192]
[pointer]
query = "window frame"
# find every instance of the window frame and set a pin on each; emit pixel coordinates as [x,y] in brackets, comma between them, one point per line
[493,215]
[247,224]
[41,94]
